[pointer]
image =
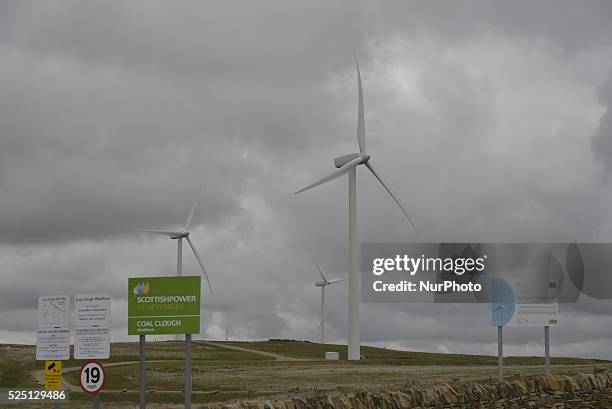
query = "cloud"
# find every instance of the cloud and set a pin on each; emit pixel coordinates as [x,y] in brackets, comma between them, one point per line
[602,138]
[481,117]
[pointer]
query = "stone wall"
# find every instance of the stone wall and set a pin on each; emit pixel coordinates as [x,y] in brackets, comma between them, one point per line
[557,391]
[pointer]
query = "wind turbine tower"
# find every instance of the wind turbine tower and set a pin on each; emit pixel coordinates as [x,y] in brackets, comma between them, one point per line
[323,284]
[348,164]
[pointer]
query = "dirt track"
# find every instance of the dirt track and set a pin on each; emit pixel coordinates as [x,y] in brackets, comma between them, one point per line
[277,357]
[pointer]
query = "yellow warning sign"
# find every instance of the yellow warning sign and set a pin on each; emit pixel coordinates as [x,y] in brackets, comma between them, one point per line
[53,375]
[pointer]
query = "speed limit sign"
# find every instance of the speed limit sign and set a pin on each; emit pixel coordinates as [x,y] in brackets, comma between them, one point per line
[92,377]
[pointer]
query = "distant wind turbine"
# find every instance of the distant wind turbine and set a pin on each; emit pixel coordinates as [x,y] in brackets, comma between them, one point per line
[323,284]
[348,164]
[179,235]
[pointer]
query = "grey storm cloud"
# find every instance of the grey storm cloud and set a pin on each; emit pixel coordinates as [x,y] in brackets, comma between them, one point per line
[602,139]
[488,118]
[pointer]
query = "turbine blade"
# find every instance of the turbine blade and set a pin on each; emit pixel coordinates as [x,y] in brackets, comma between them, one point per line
[344,169]
[193,208]
[163,232]
[394,197]
[197,256]
[360,117]
[336,280]
[320,272]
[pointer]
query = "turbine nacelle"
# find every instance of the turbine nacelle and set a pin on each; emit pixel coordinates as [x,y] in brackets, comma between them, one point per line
[180,235]
[344,159]
[320,284]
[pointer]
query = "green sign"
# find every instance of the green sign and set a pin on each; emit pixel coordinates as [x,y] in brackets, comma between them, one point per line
[164,305]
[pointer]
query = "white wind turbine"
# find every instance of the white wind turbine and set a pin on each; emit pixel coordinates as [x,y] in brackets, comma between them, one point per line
[323,284]
[179,235]
[348,164]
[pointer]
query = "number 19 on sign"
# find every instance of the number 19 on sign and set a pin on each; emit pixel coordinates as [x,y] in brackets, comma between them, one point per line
[92,377]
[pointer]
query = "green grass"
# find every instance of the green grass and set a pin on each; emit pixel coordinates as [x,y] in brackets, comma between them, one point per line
[311,350]
[221,374]
[16,364]
[13,376]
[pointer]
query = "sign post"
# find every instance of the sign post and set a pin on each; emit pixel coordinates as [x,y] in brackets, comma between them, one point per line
[92,379]
[547,350]
[188,371]
[143,374]
[500,354]
[502,307]
[542,310]
[500,346]
[164,306]
[525,301]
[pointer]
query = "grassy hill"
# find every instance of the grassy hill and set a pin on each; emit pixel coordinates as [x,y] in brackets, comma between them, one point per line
[234,370]
[311,350]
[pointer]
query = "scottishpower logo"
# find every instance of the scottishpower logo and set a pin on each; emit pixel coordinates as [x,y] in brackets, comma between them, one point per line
[142,289]
[141,292]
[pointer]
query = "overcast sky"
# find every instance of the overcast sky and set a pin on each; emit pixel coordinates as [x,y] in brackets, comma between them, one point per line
[490,120]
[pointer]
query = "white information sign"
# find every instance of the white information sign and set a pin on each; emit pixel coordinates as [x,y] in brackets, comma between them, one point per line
[92,343]
[53,335]
[92,332]
[538,313]
[92,310]
[53,344]
[535,315]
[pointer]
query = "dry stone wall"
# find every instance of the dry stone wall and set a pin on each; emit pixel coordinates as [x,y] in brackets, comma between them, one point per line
[583,391]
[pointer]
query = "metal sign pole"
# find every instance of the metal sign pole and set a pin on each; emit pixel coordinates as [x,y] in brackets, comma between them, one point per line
[500,344]
[187,371]
[143,398]
[547,350]
[57,404]
[95,401]
[179,272]
[500,354]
